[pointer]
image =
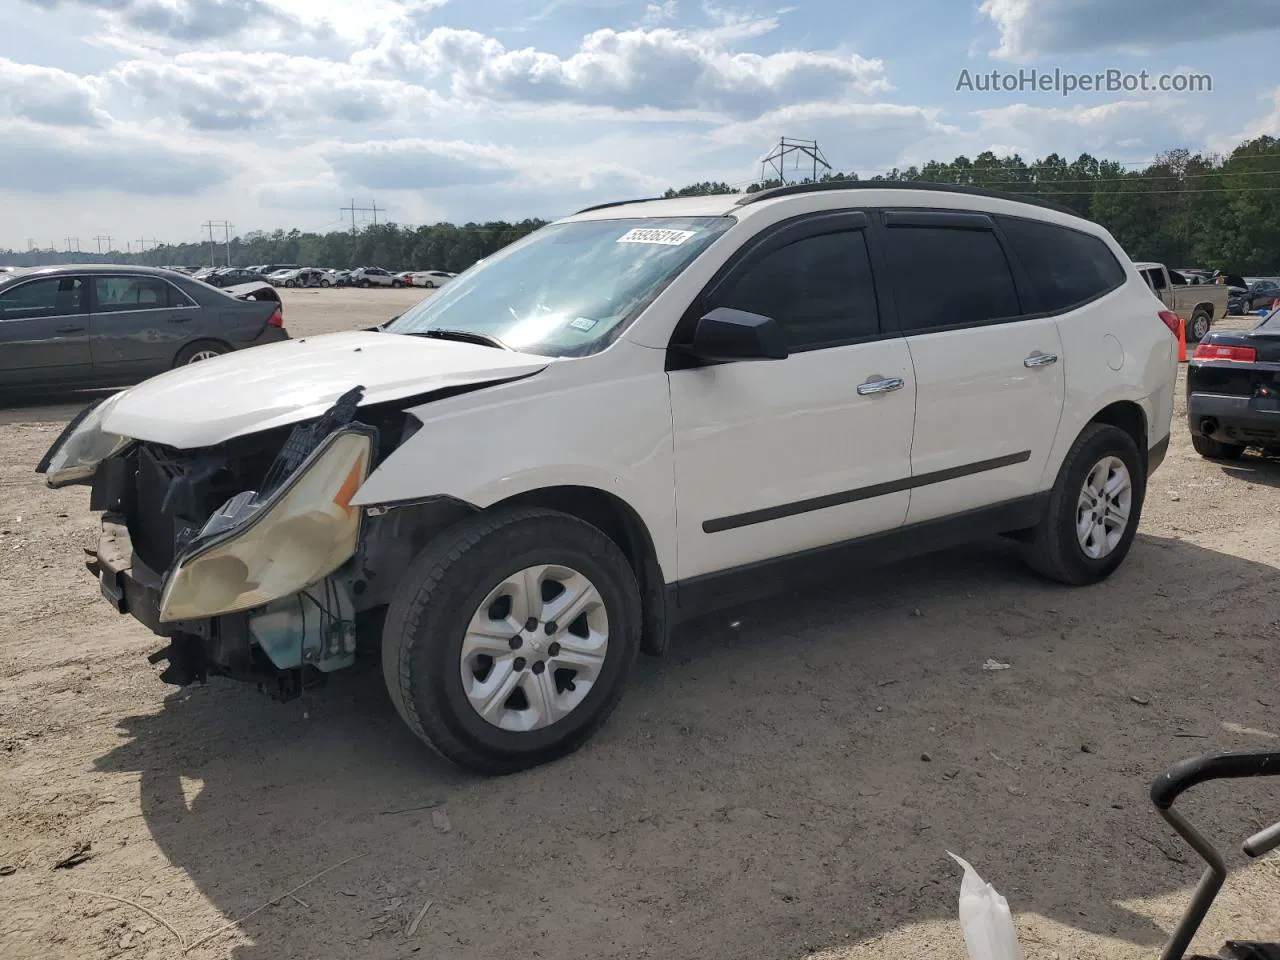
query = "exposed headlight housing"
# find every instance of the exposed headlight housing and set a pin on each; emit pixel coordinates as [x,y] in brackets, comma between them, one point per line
[75,455]
[253,551]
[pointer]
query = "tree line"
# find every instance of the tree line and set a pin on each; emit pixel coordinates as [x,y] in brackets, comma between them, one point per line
[1183,209]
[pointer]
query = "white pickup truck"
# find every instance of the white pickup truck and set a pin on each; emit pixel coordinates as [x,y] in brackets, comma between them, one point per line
[1199,304]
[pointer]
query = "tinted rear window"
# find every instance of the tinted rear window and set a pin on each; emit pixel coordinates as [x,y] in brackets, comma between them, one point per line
[947,277]
[1067,268]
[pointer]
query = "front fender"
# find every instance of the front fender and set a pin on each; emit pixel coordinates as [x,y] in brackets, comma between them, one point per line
[611,433]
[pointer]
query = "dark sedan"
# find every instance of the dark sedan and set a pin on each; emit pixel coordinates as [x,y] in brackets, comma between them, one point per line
[105,326]
[1233,390]
[233,276]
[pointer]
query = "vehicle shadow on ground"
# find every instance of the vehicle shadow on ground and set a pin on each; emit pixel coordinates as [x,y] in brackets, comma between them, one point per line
[790,777]
[1255,468]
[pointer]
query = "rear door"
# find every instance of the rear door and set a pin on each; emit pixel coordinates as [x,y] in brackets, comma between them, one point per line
[44,332]
[137,325]
[989,375]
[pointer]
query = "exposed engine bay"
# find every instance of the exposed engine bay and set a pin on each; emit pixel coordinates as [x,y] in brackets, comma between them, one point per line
[169,511]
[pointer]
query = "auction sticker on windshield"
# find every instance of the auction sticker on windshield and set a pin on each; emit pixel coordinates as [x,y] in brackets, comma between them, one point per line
[667,238]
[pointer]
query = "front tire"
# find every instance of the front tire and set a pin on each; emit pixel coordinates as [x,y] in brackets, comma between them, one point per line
[474,657]
[1093,510]
[1199,326]
[1212,449]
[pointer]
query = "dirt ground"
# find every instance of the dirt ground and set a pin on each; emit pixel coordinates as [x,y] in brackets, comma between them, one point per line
[787,781]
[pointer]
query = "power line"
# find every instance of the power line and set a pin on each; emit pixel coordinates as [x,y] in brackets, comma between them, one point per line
[353,210]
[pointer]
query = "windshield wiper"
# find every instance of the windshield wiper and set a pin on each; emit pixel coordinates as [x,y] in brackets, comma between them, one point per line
[465,336]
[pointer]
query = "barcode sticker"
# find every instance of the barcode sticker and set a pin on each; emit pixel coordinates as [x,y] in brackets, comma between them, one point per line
[667,238]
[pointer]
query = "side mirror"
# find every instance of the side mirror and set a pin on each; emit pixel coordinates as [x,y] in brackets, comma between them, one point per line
[725,335]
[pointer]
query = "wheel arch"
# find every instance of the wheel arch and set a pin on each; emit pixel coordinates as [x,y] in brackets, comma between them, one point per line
[619,521]
[1129,417]
[200,341]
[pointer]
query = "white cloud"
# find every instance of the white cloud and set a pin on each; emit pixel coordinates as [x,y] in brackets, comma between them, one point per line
[189,21]
[48,95]
[417,164]
[45,160]
[1032,28]
[238,91]
[661,68]
[1121,130]
[656,13]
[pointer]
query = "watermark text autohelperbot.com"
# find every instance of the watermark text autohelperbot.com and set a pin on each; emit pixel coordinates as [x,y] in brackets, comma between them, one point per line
[1032,80]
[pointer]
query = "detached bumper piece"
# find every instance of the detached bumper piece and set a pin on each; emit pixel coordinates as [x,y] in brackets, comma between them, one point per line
[197,650]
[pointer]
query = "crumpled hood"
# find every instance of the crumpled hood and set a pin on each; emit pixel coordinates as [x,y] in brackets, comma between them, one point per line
[281,383]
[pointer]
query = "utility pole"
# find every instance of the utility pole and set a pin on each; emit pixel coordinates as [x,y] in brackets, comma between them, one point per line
[142,244]
[352,210]
[99,239]
[225,226]
[70,241]
[789,146]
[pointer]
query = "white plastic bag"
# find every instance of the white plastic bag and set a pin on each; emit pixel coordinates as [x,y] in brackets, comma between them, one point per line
[988,928]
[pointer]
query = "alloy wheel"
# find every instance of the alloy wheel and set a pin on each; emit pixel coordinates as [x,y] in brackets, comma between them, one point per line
[1102,510]
[534,648]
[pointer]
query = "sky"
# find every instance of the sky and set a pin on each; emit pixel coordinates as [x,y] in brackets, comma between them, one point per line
[147,118]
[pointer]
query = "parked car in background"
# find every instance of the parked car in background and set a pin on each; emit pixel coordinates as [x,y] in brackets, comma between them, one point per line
[374,277]
[1198,304]
[232,276]
[304,277]
[735,395]
[1260,295]
[1233,394]
[431,279]
[340,278]
[98,325]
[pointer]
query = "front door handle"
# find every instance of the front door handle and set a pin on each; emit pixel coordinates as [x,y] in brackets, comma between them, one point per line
[179,319]
[69,330]
[881,385]
[1038,359]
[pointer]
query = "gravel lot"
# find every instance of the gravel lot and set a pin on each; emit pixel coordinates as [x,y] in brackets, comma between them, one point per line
[787,781]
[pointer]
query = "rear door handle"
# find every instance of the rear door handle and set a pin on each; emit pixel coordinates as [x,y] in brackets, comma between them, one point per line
[1040,360]
[179,319]
[882,385]
[69,330]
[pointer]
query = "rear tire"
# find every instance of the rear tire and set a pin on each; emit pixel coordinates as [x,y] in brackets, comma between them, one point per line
[1067,545]
[1199,326]
[1212,449]
[198,351]
[365,284]
[447,589]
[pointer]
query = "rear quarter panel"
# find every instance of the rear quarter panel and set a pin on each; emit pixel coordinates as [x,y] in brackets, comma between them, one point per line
[1115,349]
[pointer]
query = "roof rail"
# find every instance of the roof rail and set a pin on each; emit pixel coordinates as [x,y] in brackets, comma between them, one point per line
[795,188]
[614,203]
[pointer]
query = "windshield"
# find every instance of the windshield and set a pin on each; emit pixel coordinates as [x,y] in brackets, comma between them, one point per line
[569,289]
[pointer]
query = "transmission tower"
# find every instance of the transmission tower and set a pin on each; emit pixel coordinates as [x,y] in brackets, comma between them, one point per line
[352,210]
[788,147]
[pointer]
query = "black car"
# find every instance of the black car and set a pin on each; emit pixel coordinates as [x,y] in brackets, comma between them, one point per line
[98,325]
[1261,295]
[230,277]
[1233,390]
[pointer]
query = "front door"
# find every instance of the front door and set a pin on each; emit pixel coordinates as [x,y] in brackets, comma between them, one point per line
[138,323]
[774,457]
[989,377]
[44,333]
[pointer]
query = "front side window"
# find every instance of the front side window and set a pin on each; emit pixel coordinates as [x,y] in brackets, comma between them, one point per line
[948,277]
[116,294]
[1067,268]
[568,289]
[50,297]
[818,289]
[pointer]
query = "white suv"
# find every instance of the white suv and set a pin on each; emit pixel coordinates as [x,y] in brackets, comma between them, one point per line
[637,414]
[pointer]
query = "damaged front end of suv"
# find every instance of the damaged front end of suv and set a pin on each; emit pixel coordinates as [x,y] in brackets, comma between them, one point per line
[248,556]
